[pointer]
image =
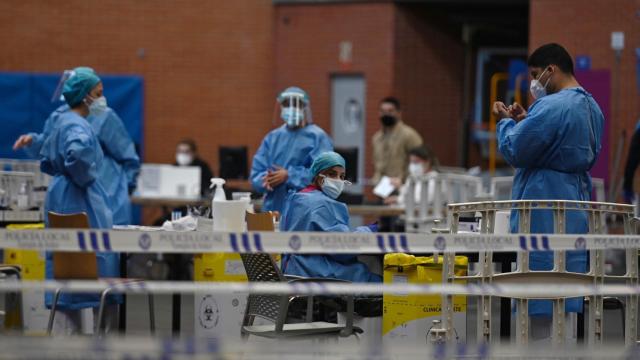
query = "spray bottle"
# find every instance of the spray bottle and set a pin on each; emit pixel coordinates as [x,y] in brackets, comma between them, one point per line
[218,195]
[219,192]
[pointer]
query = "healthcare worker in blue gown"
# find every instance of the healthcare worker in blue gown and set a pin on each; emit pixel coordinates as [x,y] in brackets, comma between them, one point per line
[314,208]
[286,153]
[121,166]
[73,156]
[553,146]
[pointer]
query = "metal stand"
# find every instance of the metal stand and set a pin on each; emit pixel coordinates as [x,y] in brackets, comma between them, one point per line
[558,275]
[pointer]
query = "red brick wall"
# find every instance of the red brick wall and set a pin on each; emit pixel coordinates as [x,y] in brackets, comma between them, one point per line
[307,49]
[428,71]
[207,65]
[584,28]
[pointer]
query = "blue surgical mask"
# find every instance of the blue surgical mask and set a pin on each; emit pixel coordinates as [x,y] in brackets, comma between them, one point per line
[98,106]
[292,116]
[333,187]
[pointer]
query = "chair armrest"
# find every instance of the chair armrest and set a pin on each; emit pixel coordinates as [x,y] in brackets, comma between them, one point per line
[292,277]
[312,279]
[11,269]
[349,329]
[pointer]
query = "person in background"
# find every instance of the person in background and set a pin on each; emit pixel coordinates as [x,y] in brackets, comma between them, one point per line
[187,155]
[633,160]
[553,146]
[422,161]
[392,143]
[180,266]
[72,155]
[315,208]
[285,155]
[121,166]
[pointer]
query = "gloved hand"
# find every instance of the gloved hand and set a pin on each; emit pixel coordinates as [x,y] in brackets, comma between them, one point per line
[628,195]
[373,227]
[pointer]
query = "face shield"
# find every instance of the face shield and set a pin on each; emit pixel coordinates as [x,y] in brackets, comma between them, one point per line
[293,107]
[57,94]
[66,75]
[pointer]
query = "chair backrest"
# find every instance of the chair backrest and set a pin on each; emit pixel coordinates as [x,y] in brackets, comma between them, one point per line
[260,267]
[68,221]
[500,187]
[261,221]
[458,188]
[72,265]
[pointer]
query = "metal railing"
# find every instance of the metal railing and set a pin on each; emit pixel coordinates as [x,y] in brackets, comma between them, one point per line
[596,213]
[435,191]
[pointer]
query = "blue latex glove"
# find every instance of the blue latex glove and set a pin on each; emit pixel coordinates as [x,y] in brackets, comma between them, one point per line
[629,196]
[373,227]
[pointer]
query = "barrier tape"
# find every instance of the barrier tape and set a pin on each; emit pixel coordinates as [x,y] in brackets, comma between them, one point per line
[139,347]
[132,241]
[528,290]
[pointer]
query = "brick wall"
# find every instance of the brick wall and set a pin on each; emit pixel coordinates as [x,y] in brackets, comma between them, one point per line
[212,68]
[307,53]
[428,72]
[584,28]
[207,65]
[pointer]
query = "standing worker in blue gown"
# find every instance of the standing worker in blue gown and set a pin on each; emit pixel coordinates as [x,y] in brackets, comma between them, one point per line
[286,153]
[121,166]
[553,146]
[71,153]
[633,160]
[314,208]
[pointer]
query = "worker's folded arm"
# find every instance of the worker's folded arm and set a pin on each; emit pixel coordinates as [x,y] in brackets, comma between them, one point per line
[80,158]
[522,144]
[260,166]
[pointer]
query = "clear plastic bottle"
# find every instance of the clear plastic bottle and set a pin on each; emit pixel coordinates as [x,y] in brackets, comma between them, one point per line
[218,195]
[23,197]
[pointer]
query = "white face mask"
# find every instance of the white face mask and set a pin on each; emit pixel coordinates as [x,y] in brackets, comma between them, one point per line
[98,106]
[332,187]
[537,89]
[416,169]
[184,159]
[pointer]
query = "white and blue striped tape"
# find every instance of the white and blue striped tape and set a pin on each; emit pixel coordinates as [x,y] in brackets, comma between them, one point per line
[132,241]
[94,241]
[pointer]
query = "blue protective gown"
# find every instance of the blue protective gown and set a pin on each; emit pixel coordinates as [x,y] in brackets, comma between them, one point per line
[314,211]
[553,149]
[72,155]
[293,150]
[121,165]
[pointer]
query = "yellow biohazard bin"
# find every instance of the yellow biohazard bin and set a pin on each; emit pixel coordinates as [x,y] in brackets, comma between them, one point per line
[406,318]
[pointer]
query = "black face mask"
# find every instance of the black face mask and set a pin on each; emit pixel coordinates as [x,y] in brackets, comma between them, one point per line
[388,120]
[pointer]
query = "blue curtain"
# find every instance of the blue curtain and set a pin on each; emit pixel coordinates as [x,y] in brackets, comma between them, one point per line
[25,103]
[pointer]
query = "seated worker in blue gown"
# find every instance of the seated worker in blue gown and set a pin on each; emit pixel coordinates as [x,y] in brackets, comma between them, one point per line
[553,146]
[314,208]
[72,155]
